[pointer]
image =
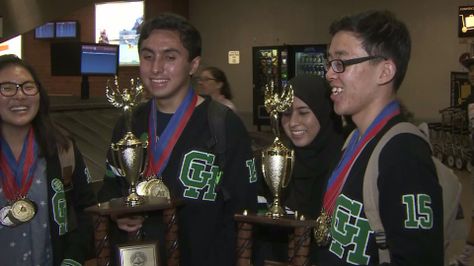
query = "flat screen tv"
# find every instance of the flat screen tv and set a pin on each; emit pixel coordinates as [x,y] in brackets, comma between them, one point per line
[66,59]
[66,29]
[99,59]
[45,31]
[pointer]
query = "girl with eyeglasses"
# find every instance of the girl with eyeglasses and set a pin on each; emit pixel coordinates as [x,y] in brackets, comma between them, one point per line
[41,203]
[213,82]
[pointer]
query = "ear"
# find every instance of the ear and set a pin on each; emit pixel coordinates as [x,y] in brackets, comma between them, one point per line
[387,71]
[194,65]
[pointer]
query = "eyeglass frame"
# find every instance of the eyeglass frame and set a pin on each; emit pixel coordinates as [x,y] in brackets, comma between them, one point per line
[18,86]
[205,79]
[349,62]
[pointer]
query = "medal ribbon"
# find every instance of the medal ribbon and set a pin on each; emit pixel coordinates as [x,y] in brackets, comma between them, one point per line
[353,150]
[160,148]
[17,177]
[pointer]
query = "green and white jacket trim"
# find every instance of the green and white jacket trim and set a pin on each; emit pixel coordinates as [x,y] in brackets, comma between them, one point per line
[70,262]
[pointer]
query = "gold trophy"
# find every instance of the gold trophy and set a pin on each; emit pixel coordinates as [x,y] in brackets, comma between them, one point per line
[127,154]
[277,159]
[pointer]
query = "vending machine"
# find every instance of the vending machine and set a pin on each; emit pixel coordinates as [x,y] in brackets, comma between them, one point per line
[278,64]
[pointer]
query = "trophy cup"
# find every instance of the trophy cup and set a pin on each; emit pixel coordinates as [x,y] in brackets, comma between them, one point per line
[127,154]
[277,160]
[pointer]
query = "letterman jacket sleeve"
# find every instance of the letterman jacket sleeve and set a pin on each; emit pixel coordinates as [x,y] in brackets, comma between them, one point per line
[78,244]
[239,174]
[411,206]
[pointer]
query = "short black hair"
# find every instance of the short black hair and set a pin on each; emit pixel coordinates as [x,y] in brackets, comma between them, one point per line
[189,35]
[381,34]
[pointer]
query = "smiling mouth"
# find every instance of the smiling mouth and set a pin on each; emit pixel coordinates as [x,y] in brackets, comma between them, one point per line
[18,108]
[159,81]
[336,91]
[297,133]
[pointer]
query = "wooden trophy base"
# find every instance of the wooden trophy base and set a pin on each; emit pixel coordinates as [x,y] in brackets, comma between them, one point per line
[298,245]
[118,207]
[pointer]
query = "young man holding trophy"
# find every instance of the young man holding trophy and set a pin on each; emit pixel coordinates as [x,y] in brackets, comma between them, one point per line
[180,155]
[368,57]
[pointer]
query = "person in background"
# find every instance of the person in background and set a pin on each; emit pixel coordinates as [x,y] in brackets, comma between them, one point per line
[464,258]
[213,82]
[315,134]
[170,52]
[42,219]
[367,60]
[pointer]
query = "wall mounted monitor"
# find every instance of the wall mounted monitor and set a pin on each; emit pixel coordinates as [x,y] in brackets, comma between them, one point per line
[67,29]
[118,23]
[99,59]
[45,31]
[66,59]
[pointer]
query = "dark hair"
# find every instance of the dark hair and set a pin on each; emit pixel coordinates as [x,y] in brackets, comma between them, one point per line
[190,36]
[219,75]
[47,133]
[381,34]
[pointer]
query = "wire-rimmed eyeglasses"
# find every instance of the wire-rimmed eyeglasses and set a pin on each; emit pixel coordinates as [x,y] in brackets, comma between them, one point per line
[339,65]
[10,89]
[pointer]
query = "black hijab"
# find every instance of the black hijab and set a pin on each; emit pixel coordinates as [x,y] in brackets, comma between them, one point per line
[315,161]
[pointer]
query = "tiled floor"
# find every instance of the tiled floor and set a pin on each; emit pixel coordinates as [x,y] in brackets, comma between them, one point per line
[457,245]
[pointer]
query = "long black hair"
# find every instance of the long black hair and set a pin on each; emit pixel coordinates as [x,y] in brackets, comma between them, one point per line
[48,135]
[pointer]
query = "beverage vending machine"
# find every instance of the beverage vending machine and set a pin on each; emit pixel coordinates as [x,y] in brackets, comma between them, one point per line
[279,64]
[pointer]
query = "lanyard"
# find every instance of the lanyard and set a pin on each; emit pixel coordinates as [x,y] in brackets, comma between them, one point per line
[17,177]
[353,150]
[160,148]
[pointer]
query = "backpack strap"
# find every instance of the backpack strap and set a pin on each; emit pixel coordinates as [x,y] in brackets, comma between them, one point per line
[67,162]
[371,191]
[216,115]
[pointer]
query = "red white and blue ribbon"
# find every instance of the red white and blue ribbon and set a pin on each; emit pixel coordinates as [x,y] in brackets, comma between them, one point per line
[353,150]
[159,149]
[17,176]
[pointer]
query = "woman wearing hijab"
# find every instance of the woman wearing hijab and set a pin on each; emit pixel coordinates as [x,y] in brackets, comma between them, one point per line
[315,134]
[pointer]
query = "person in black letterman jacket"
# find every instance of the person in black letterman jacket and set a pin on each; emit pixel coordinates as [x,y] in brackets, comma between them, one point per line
[368,57]
[57,231]
[170,49]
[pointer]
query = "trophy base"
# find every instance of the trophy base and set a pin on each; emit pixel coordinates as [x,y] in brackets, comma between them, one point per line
[275,211]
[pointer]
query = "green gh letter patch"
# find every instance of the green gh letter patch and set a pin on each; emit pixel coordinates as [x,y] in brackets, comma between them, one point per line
[199,175]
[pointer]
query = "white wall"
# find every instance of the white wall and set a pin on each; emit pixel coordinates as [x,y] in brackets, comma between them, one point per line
[241,24]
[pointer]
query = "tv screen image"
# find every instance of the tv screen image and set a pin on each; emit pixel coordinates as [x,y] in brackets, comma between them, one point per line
[66,29]
[119,23]
[99,59]
[45,31]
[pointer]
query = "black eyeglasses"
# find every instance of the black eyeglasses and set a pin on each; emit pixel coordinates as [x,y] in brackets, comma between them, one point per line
[10,89]
[339,65]
[205,79]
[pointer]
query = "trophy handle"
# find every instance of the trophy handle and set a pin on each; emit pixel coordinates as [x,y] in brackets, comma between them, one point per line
[291,161]
[114,149]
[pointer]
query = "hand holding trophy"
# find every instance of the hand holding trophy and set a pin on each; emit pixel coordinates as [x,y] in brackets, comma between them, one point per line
[277,159]
[127,154]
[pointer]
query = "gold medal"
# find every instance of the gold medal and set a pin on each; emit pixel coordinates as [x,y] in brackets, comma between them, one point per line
[23,210]
[5,217]
[322,233]
[141,188]
[156,188]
